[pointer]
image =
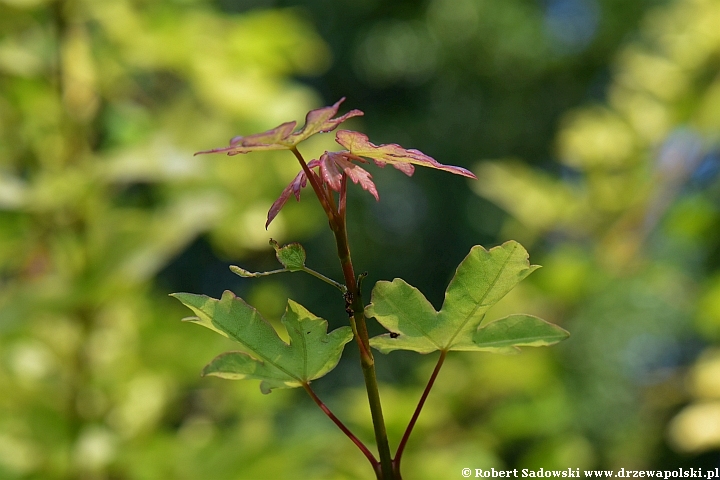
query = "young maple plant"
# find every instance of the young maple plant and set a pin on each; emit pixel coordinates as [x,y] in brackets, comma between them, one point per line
[480,281]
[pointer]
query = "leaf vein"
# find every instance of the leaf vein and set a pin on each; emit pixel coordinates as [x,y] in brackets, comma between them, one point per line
[265,358]
[416,325]
[479,303]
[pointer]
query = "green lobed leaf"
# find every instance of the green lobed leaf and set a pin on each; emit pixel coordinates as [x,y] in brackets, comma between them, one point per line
[311,353]
[403,310]
[480,281]
[292,256]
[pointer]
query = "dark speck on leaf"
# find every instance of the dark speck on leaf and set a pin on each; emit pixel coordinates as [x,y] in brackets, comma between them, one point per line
[394,335]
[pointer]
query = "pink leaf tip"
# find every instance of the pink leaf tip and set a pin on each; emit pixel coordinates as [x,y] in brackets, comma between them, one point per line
[401,158]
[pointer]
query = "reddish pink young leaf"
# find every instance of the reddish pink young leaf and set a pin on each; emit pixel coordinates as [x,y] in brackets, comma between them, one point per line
[294,187]
[321,121]
[270,140]
[399,157]
[282,136]
[407,168]
[270,137]
[362,177]
[330,171]
[332,167]
[334,164]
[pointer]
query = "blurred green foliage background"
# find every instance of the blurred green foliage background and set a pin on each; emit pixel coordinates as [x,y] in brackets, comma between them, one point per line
[593,126]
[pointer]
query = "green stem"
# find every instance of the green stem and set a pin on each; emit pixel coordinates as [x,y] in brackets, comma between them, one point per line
[371,385]
[325,279]
[248,274]
[416,414]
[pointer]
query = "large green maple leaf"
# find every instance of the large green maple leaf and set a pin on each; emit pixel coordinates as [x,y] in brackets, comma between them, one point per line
[480,281]
[311,353]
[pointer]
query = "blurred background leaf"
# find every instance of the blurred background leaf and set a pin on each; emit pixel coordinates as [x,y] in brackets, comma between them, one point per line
[593,126]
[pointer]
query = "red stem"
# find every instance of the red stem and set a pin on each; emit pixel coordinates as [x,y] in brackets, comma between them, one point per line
[373,461]
[418,409]
[319,191]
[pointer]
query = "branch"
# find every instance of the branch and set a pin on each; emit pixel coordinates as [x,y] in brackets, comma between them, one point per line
[418,409]
[248,274]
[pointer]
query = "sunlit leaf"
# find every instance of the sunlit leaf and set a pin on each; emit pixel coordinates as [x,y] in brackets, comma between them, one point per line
[282,137]
[311,353]
[321,121]
[294,188]
[334,164]
[265,139]
[403,159]
[292,256]
[480,281]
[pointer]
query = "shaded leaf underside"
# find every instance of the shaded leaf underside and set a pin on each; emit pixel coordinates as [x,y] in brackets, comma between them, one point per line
[292,256]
